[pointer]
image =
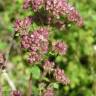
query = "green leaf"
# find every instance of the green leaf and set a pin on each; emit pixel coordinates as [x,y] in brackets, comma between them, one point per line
[35,72]
[46,79]
[2,45]
[56,85]
[10,29]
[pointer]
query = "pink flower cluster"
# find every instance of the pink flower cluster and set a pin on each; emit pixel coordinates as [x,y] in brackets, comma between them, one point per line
[60,47]
[62,7]
[48,92]
[21,25]
[48,66]
[34,57]
[36,43]
[35,4]
[56,8]
[26,4]
[58,73]
[15,93]
[60,76]
[74,16]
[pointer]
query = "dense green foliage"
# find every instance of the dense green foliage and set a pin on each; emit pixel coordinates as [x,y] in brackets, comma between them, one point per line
[79,63]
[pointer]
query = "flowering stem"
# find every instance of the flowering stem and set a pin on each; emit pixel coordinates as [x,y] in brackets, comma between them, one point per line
[1,91]
[7,78]
[4,73]
[10,46]
[30,86]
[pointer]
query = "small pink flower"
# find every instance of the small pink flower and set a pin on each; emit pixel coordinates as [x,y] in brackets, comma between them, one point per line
[43,32]
[60,76]
[36,4]
[60,47]
[56,7]
[48,92]
[48,66]
[22,25]
[74,16]
[25,41]
[26,4]
[15,93]
[34,57]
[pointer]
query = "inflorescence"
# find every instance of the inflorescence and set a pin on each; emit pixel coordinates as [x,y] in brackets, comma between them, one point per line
[56,8]
[37,42]
[48,92]
[15,93]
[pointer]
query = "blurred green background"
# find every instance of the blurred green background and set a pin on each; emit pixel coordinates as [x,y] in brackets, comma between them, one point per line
[80,61]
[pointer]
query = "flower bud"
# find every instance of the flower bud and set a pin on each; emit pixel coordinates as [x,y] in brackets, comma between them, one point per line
[48,66]
[15,93]
[48,92]
[60,48]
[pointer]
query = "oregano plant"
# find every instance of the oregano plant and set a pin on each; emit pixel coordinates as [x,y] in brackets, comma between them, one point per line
[38,46]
